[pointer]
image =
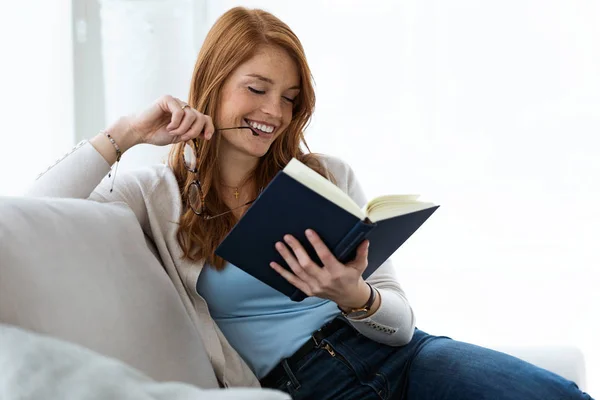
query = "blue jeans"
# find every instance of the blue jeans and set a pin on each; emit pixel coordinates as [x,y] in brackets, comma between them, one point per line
[348,365]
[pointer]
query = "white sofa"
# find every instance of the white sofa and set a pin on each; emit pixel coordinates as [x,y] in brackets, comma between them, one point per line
[85,274]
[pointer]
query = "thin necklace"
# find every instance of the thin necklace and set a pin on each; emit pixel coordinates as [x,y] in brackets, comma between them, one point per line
[236,191]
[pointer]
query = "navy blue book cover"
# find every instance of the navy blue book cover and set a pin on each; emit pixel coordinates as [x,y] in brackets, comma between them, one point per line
[288,206]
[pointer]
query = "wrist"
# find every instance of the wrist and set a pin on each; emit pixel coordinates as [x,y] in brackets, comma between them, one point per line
[123,134]
[358,298]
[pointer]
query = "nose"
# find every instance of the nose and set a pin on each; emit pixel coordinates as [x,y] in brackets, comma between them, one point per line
[272,107]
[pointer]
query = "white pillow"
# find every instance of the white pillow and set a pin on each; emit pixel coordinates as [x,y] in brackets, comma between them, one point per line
[81,271]
[37,367]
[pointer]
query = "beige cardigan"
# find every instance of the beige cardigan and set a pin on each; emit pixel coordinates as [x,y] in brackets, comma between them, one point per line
[153,195]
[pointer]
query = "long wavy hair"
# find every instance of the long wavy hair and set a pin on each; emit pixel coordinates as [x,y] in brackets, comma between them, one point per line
[234,39]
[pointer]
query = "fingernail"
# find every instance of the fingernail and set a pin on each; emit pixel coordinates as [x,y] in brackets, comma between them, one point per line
[309,232]
[368,244]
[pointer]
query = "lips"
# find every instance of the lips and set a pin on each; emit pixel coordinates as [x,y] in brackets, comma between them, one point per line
[259,132]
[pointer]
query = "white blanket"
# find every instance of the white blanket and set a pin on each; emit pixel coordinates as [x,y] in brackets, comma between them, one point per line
[36,367]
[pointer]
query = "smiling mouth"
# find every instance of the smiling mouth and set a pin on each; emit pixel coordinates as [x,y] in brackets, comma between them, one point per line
[256,131]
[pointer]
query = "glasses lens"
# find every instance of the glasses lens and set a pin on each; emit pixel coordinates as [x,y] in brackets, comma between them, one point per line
[195,198]
[189,156]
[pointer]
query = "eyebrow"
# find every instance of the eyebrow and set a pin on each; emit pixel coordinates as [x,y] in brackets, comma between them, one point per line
[269,80]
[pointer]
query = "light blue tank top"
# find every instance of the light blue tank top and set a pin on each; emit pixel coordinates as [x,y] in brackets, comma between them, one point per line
[263,325]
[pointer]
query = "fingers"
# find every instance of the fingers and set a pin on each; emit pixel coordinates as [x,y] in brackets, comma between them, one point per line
[302,256]
[173,106]
[325,255]
[209,128]
[186,122]
[291,278]
[202,127]
[300,268]
[362,257]
[329,260]
[331,281]
[189,117]
[194,130]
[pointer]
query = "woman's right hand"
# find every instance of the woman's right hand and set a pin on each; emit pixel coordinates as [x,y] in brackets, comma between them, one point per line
[164,122]
[167,122]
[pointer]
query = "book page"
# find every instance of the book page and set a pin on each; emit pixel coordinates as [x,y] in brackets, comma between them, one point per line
[313,180]
[384,207]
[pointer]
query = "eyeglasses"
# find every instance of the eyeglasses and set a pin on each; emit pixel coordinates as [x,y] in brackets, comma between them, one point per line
[193,193]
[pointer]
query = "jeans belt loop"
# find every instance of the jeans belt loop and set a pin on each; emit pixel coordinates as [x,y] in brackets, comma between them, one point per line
[318,337]
[317,343]
[293,381]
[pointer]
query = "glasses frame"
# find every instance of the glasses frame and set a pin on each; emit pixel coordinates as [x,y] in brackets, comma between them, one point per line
[196,182]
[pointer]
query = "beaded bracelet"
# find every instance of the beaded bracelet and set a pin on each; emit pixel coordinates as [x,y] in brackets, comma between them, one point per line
[119,154]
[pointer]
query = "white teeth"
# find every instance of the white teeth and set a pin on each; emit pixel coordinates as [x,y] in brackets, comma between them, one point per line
[261,127]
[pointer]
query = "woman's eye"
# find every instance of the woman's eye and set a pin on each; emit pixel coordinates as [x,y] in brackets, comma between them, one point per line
[256,91]
[250,88]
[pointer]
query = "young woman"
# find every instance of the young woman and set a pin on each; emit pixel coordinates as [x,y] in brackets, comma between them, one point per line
[250,100]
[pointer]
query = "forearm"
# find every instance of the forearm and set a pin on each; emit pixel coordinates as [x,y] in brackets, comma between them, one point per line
[121,133]
[79,172]
[75,175]
[393,322]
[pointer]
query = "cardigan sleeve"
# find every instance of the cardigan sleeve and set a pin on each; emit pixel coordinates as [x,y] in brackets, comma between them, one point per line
[82,174]
[394,321]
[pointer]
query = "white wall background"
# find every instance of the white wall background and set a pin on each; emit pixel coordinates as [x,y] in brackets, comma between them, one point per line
[491,109]
[36,78]
[147,50]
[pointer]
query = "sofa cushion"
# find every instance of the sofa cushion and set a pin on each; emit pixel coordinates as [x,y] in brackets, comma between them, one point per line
[81,271]
[38,367]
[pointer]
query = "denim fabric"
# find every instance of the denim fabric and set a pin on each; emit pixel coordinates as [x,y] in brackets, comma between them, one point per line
[429,367]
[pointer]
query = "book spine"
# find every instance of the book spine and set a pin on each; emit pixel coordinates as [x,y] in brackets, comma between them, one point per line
[345,250]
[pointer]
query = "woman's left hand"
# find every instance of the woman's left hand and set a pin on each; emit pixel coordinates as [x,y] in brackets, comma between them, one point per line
[340,283]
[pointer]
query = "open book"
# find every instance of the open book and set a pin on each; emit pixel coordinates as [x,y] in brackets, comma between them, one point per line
[298,198]
[382,207]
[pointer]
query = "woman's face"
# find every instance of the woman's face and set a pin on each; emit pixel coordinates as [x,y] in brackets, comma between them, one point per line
[260,93]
